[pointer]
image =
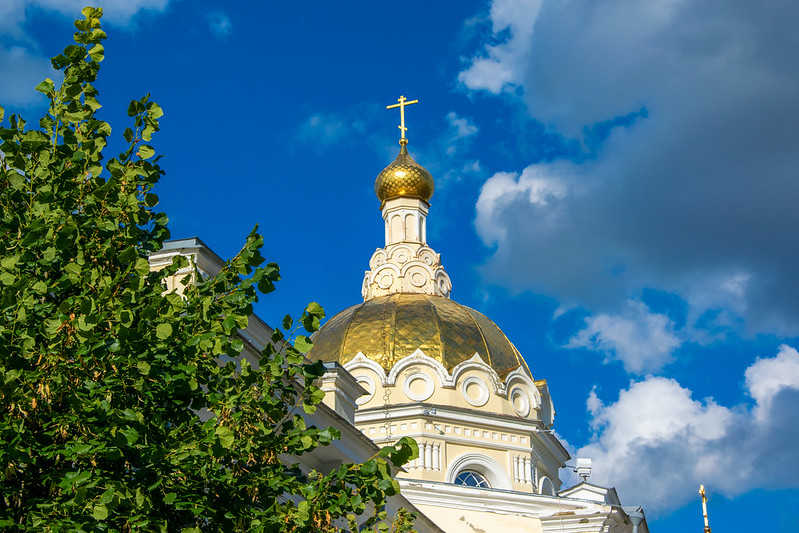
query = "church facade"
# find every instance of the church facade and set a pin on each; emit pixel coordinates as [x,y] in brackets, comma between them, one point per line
[409,361]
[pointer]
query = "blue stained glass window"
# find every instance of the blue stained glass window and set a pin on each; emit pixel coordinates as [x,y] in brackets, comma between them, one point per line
[471,479]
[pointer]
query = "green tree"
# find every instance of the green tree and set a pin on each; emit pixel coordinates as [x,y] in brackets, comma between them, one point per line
[104,375]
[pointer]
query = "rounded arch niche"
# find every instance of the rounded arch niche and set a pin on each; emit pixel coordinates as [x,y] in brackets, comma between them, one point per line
[487,467]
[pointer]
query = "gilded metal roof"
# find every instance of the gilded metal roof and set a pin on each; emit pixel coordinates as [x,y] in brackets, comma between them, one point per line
[388,328]
[404,177]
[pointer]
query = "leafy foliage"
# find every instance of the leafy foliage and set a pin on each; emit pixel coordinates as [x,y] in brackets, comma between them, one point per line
[126,407]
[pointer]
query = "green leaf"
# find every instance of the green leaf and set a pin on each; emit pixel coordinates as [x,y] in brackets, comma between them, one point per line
[97,52]
[146,151]
[154,110]
[107,496]
[142,266]
[315,309]
[100,512]
[303,344]
[369,467]
[45,86]
[144,367]
[225,436]
[163,330]
[131,435]
[135,108]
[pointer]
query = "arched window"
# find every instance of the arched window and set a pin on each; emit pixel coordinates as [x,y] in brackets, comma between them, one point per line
[470,478]
[481,467]
[547,488]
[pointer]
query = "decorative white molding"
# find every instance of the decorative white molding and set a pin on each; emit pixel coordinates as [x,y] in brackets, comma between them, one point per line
[546,487]
[418,357]
[361,361]
[405,268]
[473,382]
[575,514]
[496,475]
[521,377]
[407,386]
[519,399]
[477,363]
[367,383]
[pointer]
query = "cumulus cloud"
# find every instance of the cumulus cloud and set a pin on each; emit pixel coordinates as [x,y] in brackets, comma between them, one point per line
[220,24]
[329,128]
[22,55]
[29,69]
[119,12]
[502,64]
[643,341]
[460,131]
[657,443]
[695,197]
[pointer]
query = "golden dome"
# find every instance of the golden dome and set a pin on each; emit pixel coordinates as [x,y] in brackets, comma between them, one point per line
[404,177]
[388,328]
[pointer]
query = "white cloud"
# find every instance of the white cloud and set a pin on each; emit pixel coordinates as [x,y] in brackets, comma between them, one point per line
[767,377]
[502,65]
[329,128]
[22,60]
[13,14]
[641,340]
[460,132]
[28,70]
[220,24]
[696,198]
[656,443]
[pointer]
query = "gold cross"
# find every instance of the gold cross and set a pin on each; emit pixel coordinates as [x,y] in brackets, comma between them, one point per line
[704,507]
[402,103]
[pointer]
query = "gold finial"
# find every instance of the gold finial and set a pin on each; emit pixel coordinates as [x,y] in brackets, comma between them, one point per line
[704,507]
[402,103]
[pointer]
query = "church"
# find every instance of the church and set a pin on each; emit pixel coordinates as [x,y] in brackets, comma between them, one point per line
[409,361]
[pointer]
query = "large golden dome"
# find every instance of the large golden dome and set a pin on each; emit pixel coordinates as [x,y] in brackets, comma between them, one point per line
[388,328]
[404,177]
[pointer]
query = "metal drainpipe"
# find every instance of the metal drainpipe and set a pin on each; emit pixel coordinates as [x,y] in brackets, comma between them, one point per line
[636,517]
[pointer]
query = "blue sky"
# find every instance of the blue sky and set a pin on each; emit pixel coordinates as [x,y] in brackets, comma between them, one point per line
[615,188]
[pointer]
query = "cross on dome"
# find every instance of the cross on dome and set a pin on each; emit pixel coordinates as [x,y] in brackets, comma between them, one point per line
[402,103]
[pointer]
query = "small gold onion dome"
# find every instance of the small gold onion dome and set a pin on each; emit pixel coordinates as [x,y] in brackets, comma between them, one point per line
[404,177]
[388,328]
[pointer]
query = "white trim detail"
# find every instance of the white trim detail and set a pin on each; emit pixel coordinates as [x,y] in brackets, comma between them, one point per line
[482,464]
[477,363]
[546,490]
[483,395]
[521,376]
[523,397]
[361,361]
[416,376]
[367,383]
[418,358]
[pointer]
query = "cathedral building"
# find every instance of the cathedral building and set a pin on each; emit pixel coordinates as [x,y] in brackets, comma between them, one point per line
[446,375]
[409,361]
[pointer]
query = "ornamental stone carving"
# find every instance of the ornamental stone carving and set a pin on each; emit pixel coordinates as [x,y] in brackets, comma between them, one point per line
[407,268]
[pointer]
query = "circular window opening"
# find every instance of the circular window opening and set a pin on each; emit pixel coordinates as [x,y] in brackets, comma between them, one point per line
[475,391]
[470,478]
[367,383]
[418,387]
[520,402]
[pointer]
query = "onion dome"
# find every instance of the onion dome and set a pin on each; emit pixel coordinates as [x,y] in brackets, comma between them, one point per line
[388,328]
[404,178]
